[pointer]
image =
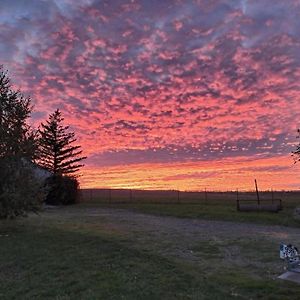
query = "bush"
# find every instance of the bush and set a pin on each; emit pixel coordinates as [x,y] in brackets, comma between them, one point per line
[20,190]
[61,190]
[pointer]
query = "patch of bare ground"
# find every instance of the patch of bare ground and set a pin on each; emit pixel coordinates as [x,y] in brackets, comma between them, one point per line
[196,241]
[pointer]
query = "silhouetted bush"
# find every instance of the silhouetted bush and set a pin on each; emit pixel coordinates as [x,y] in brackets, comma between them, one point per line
[20,190]
[61,190]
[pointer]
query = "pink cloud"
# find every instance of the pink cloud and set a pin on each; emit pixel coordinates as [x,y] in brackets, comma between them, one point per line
[196,80]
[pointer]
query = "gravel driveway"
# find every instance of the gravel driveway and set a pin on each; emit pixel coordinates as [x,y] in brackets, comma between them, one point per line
[178,236]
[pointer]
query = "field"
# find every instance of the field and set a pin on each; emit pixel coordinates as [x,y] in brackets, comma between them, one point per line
[146,251]
[204,205]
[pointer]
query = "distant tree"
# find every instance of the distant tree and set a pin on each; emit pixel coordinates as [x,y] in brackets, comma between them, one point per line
[296,153]
[62,158]
[20,190]
[57,152]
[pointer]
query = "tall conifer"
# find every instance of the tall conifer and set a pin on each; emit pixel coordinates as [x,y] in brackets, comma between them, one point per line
[57,152]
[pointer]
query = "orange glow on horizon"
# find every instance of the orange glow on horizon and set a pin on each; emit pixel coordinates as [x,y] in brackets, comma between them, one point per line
[275,173]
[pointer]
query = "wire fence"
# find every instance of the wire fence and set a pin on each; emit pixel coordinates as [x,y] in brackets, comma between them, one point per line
[173,196]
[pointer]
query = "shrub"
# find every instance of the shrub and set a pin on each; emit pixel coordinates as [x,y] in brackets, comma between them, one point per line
[61,190]
[20,190]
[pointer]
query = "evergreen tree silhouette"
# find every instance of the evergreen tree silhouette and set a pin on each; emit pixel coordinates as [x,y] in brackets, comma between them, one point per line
[57,152]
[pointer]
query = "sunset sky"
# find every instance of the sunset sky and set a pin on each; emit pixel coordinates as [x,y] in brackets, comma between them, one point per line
[185,95]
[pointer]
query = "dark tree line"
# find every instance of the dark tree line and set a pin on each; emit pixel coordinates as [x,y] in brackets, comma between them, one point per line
[24,152]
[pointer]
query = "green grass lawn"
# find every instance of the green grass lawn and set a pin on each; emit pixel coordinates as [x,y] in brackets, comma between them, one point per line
[48,263]
[55,257]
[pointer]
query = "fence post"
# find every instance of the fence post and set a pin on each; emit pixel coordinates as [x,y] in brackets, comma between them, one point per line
[237,200]
[205,194]
[258,201]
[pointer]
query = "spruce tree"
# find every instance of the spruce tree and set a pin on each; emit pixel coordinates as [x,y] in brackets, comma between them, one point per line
[57,152]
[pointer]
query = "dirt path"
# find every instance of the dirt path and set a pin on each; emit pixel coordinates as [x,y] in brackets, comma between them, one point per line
[182,226]
[177,236]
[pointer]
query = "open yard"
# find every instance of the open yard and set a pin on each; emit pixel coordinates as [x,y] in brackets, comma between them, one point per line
[89,251]
[209,206]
